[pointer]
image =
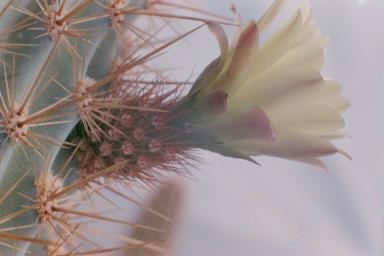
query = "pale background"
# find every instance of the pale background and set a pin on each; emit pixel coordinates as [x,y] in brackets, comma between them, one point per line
[290,209]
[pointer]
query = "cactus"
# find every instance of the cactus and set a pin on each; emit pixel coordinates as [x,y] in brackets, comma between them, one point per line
[52,52]
[81,112]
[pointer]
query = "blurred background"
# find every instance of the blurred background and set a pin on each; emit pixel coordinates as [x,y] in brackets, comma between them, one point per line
[285,208]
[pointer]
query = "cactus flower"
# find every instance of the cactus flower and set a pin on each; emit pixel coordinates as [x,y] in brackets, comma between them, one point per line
[82,109]
[268,98]
[254,99]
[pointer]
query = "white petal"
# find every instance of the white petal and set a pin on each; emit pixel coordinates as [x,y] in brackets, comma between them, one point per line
[295,50]
[310,118]
[293,145]
[293,57]
[285,90]
[278,45]
[324,92]
[270,14]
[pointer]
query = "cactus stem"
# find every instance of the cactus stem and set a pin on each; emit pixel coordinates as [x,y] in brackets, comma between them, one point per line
[17,122]
[55,206]
[33,87]
[81,183]
[7,236]
[14,186]
[46,112]
[57,24]
[72,75]
[76,9]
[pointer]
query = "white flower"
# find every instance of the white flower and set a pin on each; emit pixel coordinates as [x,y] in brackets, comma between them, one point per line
[270,98]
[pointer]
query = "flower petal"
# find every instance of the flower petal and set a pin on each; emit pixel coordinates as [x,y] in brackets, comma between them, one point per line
[294,145]
[282,89]
[270,14]
[220,35]
[243,50]
[253,125]
[299,33]
[310,118]
[207,79]
[278,45]
[228,70]
[242,55]
[324,92]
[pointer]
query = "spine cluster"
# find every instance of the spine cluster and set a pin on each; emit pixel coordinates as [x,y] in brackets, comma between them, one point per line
[69,116]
